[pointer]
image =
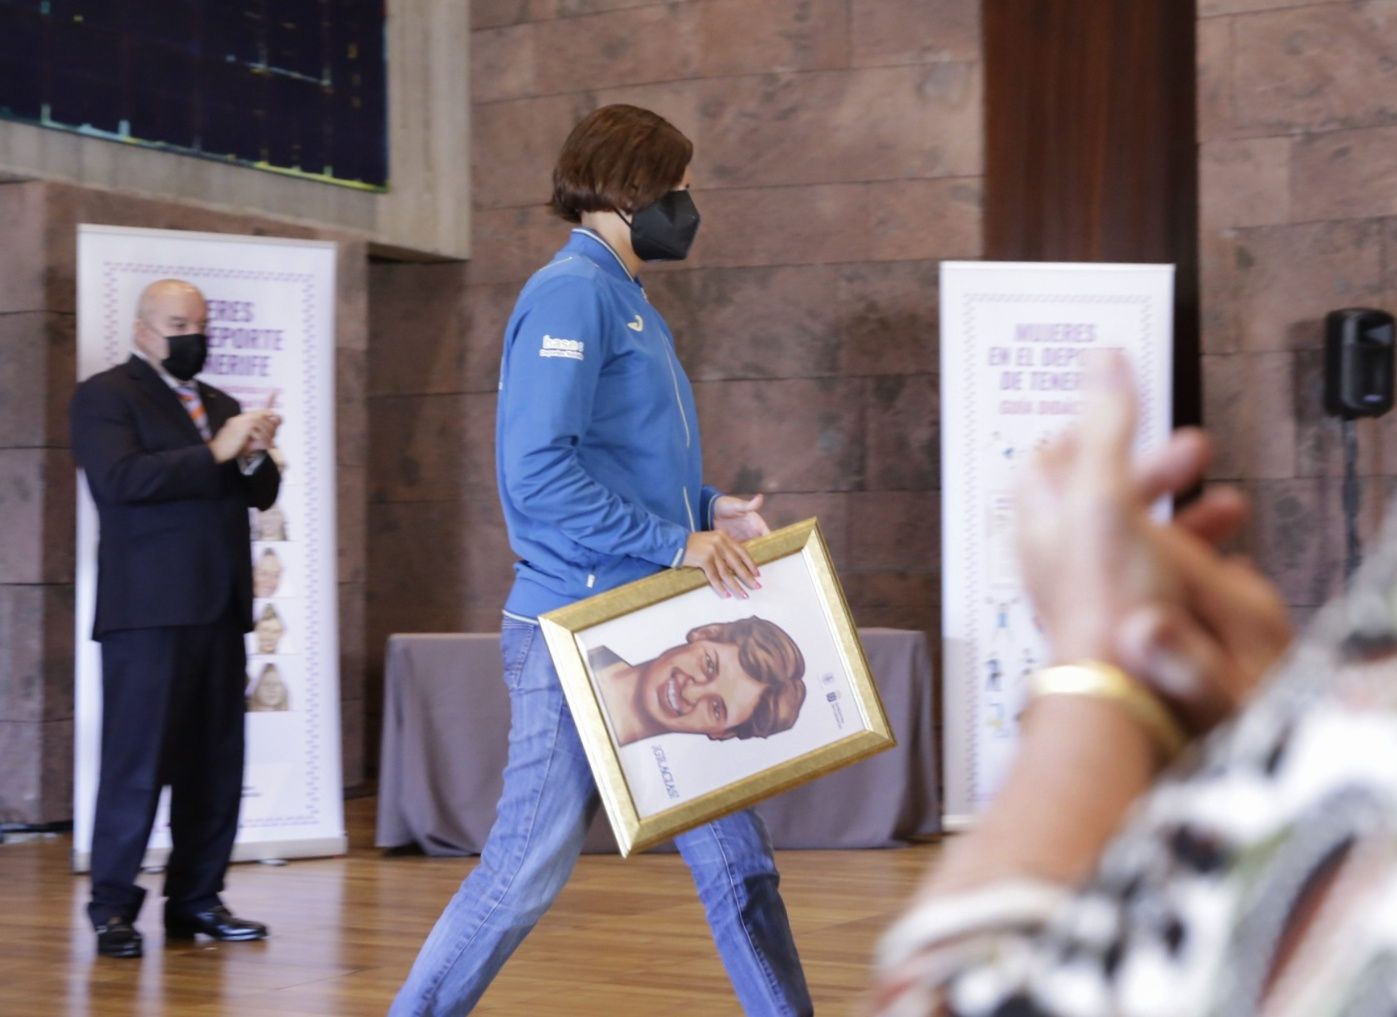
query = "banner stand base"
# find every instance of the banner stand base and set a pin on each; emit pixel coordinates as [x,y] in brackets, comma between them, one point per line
[316,847]
[957,823]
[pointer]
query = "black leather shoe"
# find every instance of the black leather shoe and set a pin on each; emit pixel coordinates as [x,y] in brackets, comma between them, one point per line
[219,923]
[118,938]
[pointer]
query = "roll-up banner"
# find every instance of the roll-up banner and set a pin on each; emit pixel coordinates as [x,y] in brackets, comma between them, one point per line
[271,343]
[1013,336]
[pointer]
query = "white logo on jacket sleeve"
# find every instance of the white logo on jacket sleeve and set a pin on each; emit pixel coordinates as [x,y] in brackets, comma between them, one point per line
[570,348]
[636,326]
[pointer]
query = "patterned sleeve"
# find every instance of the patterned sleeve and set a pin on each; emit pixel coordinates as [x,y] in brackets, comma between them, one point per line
[1258,876]
[1261,879]
[924,959]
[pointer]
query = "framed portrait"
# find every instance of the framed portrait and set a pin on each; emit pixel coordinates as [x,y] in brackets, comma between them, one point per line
[691,706]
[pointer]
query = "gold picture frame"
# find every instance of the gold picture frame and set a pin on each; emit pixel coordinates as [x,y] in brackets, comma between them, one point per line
[658,784]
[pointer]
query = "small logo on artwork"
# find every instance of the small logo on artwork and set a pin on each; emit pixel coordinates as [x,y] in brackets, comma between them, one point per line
[832,697]
[572,349]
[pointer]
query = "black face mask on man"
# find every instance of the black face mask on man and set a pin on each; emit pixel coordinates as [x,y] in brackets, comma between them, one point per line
[665,230]
[187,355]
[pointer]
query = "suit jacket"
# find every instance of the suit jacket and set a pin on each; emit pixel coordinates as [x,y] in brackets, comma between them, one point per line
[175,547]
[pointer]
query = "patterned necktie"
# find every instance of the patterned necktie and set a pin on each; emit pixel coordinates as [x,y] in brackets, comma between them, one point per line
[194,406]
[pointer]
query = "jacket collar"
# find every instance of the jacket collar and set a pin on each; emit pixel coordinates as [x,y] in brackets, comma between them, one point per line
[591,245]
[145,373]
[141,369]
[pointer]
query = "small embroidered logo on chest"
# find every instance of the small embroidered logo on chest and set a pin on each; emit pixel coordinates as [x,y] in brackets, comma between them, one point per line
[570,348]
[637,325]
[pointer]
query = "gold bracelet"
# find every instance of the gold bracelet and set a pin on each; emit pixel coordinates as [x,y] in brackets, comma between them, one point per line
[1105,681]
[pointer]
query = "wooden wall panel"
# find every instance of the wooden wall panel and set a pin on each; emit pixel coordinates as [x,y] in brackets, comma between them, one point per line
[1090,143]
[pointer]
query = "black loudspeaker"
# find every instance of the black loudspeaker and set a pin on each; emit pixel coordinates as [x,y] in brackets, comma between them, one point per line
[1358,362]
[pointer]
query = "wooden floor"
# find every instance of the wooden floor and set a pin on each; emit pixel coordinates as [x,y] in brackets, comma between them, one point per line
[625,938]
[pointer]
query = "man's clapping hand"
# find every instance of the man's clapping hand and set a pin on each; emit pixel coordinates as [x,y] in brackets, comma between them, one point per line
[253,431]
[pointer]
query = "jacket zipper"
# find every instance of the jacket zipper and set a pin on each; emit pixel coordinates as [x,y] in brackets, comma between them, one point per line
[684,417]
[688,509]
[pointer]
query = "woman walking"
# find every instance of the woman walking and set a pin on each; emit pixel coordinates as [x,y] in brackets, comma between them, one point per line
[600,476]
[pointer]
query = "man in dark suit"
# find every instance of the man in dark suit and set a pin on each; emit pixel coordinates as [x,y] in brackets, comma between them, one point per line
[173,465]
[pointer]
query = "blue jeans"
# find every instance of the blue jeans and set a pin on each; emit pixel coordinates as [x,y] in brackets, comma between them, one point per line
[548,803]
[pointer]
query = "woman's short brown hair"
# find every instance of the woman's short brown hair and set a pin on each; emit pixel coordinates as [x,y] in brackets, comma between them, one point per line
[618,159]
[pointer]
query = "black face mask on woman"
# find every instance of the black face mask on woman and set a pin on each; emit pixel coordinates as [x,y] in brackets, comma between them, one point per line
[665,230]
[187,355]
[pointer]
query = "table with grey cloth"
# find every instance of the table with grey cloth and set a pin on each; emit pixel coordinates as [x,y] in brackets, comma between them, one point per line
[445,735]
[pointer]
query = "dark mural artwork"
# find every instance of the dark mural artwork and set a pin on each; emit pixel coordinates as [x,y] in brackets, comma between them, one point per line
[295,86]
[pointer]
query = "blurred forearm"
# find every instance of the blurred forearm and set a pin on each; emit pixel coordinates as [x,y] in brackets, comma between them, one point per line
[1081,763]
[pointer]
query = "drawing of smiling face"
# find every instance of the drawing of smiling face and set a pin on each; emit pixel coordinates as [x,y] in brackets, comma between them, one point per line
[699,688]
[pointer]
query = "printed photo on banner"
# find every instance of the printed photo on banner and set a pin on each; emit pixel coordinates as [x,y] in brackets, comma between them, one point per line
[275,627]
[270,524]
[692,705]
[269,686]
[278,569]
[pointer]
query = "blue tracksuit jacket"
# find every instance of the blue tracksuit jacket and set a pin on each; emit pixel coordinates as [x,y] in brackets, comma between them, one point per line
[597,442]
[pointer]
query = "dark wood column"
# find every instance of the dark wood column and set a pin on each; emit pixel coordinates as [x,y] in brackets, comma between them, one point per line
[1091,147]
